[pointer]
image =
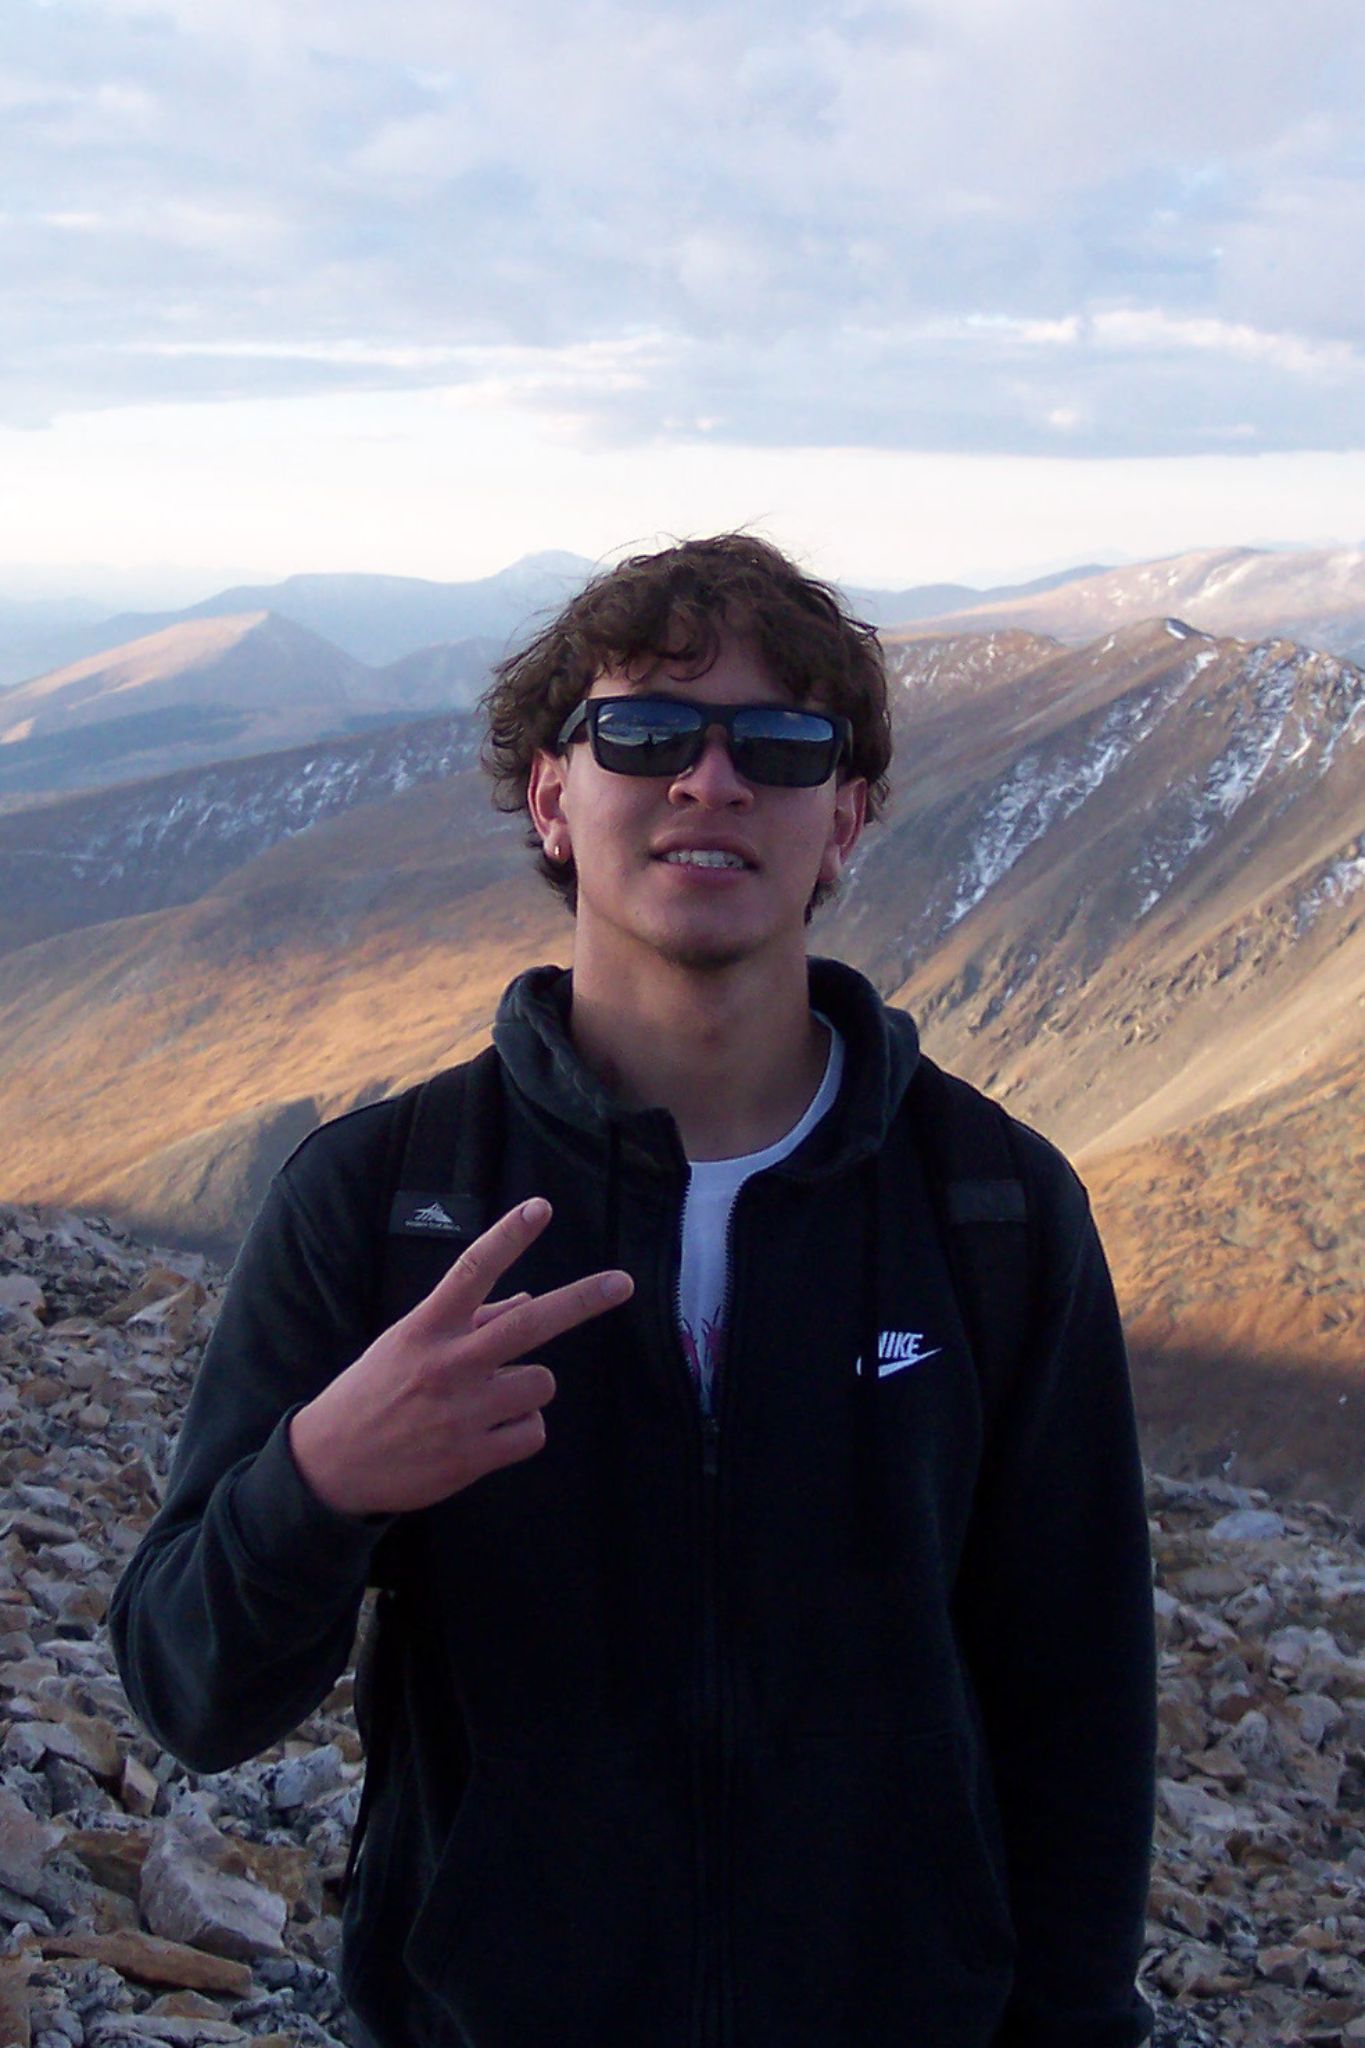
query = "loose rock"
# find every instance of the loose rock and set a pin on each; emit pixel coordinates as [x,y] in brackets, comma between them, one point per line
[186,1895]
[1256,1918]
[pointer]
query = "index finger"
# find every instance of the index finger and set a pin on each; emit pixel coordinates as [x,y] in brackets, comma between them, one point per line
[450,1306]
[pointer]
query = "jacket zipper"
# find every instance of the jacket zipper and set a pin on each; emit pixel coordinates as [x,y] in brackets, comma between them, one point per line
[709,1772]
[710,2027]
[707,2023]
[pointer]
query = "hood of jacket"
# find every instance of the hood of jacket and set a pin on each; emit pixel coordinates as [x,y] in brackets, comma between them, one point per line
[881,1053]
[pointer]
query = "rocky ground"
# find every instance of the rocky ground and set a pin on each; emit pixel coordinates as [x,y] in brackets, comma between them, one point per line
[142,1904]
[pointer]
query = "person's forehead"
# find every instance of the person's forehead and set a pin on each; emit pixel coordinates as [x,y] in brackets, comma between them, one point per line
[739,674]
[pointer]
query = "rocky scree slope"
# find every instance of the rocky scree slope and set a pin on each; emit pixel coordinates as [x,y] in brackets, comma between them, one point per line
[140,1904]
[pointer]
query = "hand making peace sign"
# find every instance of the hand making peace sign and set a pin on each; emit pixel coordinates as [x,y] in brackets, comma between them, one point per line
[438,1400]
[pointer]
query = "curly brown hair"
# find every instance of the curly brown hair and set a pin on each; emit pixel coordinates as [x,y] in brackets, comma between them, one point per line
[674,606]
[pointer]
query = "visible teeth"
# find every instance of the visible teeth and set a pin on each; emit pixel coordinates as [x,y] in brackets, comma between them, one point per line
[703,857]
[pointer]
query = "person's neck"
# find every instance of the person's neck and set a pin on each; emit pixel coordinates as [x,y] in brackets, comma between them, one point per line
[735,1059]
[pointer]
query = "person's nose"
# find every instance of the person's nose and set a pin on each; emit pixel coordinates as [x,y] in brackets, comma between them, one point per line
[712,780]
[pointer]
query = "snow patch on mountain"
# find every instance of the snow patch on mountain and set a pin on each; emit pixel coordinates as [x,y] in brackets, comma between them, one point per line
[1341,880]
[919,670]
[250,810]
[1034,796]
[1239,769]
[1342,699]
[1303,706]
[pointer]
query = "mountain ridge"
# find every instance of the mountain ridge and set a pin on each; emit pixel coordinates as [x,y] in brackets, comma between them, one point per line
[1313,595]
[90,857]
[373,619]
[210,689]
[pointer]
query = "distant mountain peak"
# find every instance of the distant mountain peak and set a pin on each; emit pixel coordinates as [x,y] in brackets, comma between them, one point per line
[549,561]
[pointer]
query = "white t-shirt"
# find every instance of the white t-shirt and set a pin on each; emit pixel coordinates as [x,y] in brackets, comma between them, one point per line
[712,1187]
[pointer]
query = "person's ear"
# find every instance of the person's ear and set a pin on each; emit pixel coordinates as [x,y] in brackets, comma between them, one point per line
[545,802]
[845,829]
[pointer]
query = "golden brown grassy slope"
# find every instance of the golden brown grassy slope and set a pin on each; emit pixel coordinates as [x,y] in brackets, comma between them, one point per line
[341,965]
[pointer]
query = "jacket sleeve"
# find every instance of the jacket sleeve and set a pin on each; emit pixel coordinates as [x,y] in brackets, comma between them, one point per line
[238,1611]
[1057,1625]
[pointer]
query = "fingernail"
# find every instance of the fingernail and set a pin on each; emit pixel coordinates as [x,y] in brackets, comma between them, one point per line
[536,1210]
[616,1286]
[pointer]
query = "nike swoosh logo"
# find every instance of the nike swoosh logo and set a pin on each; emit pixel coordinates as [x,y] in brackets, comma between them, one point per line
[891,1365]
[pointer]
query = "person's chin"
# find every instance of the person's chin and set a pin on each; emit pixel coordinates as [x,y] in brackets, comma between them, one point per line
[706,949]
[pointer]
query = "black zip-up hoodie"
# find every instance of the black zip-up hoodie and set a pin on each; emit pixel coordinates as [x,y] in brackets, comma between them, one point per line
[686,1743]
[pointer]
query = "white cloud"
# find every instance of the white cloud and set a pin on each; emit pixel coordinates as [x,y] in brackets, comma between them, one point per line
[589,371]
[1150,331]
[955,224]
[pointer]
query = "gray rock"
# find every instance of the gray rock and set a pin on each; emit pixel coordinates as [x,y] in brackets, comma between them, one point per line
[1253,1611]
[47,1500]
[1255,1741]
[26,1844]
[21,1291]
[147,2030]
[20,1914]
[186,1898]
[1248,1525]
[1318,1715]
[66,2024]
[1296,1648]
[1188,1805]
[302,1779]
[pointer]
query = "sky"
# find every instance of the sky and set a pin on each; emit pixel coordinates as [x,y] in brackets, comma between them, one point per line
[958,289]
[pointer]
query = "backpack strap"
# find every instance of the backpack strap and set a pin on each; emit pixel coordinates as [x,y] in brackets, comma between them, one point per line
[984,1218]
[440,1177]
[445,1149]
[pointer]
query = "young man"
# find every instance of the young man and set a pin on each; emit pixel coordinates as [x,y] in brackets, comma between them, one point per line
[789,1681]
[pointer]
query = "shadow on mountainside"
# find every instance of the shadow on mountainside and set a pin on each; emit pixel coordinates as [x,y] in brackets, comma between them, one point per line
[1280,1419]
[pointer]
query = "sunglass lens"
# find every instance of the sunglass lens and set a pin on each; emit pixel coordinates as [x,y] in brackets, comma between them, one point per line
[784,749]
[646,736]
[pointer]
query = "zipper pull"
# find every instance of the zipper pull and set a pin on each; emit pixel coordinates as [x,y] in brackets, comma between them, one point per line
[710,1446]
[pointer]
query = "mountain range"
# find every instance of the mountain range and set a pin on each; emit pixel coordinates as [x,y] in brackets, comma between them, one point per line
[1313,595]
[207,690]
[373,619]
[319,656]
[378,620]
[95,856]
[263,666]
[1120,884]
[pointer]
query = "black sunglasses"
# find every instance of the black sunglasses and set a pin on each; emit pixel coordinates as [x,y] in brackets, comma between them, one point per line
[774,744]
